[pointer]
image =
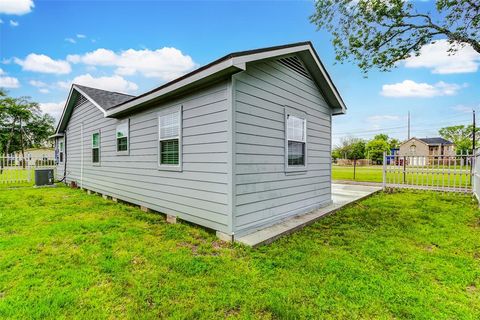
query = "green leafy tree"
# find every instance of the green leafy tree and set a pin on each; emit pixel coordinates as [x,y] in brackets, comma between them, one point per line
[461,136]
[375,149]
[22,125]
[350,148]
[379,33]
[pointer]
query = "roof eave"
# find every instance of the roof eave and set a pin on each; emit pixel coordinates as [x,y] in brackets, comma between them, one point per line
[233,64]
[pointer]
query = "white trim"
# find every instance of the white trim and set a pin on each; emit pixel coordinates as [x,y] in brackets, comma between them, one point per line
[75,87]
[163,112]
[123,152]
[198,76]
[303,116]
[91,100]
[237,62]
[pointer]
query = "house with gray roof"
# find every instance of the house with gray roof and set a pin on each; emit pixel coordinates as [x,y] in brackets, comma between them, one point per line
[427,147]
[239,144]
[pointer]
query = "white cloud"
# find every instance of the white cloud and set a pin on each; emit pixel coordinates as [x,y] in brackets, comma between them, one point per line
[42,63]
[14,23]
[9,82]
[71,40]
[436,57]
[165,63]
[81,36]
[17,7]
[38,84]
[409,88]
[44,90]
[113,83]
[53,108]
[2,72]
[383,118]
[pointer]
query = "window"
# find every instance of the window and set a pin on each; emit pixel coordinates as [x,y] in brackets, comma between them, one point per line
[413,148]
[60,150]
[169,136]
[122,137]
[296,140]
[96,147]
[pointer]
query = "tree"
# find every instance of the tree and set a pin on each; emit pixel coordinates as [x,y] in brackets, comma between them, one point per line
[461,136]
[379,33]
[375,149]
[350,148]
[22,124]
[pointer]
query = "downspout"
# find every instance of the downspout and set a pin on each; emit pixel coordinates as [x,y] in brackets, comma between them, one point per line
[81,156]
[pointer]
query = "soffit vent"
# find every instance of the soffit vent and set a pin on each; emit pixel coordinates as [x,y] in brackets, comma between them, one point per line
[80,99]
[296,65]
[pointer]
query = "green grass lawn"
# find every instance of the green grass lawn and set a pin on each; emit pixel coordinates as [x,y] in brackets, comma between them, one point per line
[415,176]
[369,174]
[64,254]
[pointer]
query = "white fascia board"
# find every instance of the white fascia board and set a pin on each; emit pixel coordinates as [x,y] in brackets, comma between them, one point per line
[64,109]
[327,79]
[198,76]
[91,100]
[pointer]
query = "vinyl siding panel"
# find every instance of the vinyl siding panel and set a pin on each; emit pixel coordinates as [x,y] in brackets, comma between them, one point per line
[264,193]
[198,193]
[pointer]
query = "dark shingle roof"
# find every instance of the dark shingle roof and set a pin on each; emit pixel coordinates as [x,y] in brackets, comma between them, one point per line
[105,99]
[436,140]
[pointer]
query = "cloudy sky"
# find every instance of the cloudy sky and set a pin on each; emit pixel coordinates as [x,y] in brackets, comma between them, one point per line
[133,46]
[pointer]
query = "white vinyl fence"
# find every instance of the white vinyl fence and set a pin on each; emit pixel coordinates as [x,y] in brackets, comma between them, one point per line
[450,173]
[476,175]
[14,170]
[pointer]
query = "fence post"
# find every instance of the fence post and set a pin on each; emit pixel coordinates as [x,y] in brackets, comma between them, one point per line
[354,166]
[384,172]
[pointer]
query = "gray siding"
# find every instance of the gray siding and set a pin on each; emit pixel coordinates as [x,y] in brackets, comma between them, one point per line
[199,193]
[264,192]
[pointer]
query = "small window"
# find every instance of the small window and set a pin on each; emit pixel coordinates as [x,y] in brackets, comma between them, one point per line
[96,147]
[122,137]
[169,136]
[60,151]
[295,140]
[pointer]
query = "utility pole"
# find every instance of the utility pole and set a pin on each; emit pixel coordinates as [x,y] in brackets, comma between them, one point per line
[408,125]
[474,133]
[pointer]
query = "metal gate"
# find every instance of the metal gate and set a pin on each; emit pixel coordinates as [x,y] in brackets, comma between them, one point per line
[452,173]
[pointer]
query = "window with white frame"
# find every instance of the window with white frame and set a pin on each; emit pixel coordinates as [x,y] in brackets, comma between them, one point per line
[296,127]
[122,137]
[60,150]
[96,147]
[169,132]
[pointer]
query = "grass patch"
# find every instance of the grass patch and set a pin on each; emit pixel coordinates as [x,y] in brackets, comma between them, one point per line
[437,176]
[64,254]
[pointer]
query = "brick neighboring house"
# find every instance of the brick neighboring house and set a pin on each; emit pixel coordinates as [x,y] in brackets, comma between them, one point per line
[420,148]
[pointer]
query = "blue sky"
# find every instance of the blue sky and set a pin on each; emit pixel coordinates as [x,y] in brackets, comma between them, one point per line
[133,46]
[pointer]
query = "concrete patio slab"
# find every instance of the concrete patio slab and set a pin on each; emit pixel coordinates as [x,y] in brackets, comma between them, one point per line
[342,194]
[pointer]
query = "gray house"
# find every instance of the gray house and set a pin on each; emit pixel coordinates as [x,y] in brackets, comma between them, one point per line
[236,145]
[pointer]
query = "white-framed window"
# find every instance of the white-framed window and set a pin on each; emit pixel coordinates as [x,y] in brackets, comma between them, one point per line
[295,140]
[170,138]
[96,147]
[61,148]
[122,137]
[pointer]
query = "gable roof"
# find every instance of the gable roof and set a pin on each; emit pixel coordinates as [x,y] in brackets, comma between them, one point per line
[105,99]
[233,63]
[435,140]
[114,104]
[102,99]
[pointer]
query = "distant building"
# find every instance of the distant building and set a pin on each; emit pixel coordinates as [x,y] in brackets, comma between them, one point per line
[421,148]
[34,155]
